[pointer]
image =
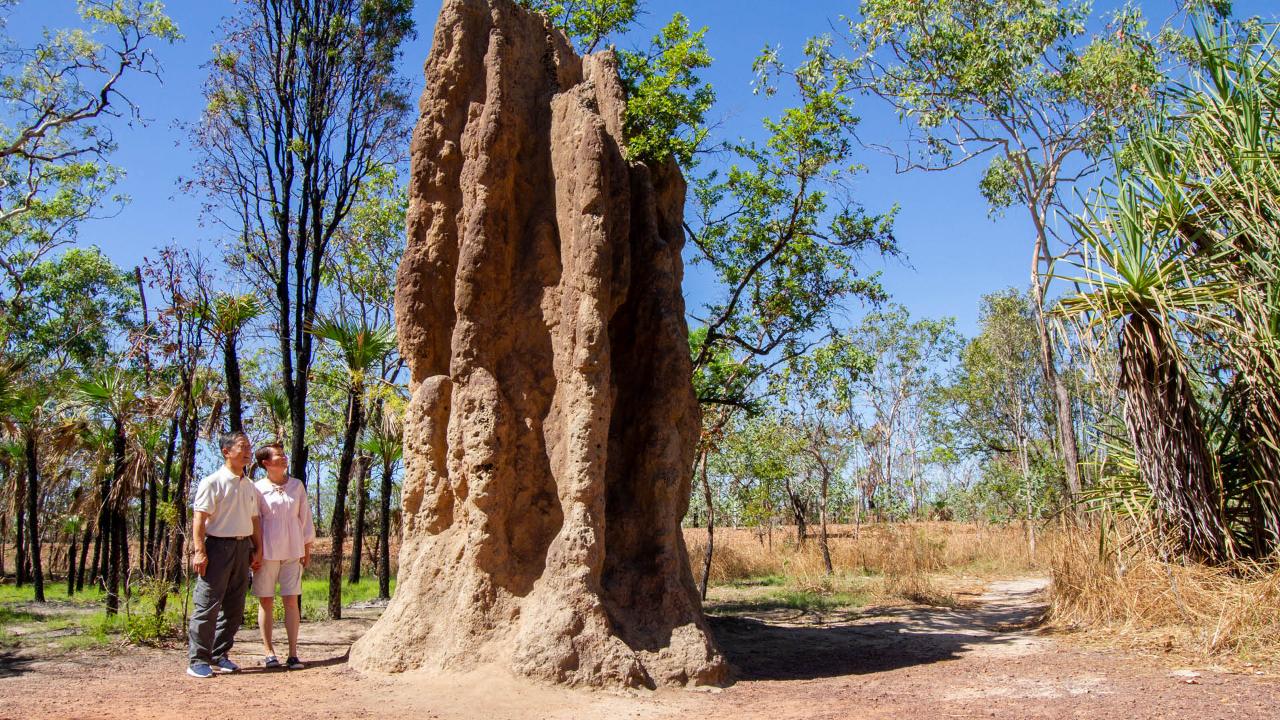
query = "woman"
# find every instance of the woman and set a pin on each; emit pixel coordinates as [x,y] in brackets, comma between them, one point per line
[287,534]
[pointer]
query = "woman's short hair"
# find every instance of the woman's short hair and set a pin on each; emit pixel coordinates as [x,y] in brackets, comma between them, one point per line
[266,452]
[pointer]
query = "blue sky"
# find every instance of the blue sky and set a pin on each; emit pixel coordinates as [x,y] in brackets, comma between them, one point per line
[955,252]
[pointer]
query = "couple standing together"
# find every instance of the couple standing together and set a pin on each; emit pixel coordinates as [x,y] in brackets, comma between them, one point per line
[242,526]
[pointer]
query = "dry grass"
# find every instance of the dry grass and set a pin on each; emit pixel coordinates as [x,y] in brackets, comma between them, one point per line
[1187,610]
[895,561]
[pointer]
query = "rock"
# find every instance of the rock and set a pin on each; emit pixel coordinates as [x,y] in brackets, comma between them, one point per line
[550,438]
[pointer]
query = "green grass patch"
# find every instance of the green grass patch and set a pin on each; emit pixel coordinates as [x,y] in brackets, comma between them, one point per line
[791,599]
[137,621]
[53,592]
[762,581]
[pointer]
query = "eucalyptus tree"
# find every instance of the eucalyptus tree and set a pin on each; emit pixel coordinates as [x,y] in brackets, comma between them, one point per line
[58,97]
[821,389]
[995,405]
[1024,85]
[905,357]
[303,105]
[360,348]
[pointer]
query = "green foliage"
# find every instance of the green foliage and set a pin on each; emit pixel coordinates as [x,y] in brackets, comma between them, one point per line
[781,235]
[66,310]
[360,347]
[1179,263]
[587,22]
[666,100]
[55,98]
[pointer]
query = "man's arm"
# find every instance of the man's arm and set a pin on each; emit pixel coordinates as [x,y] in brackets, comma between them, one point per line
[257,544]
[199,560]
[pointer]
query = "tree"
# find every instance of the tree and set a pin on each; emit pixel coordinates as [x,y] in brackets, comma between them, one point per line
[386,445]
[231,313]
[996,405]
[1179,269]
[114,393]
[55,100]
[904,355]
[821,388]
[361,349]
[1022,83]
[303,106]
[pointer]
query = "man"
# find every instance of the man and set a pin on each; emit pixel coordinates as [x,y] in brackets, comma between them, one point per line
[227,543]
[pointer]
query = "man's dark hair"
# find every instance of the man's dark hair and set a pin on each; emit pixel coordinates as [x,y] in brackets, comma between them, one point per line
[227,439]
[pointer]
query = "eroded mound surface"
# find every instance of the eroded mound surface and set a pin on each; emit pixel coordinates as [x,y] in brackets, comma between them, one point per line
[550,437]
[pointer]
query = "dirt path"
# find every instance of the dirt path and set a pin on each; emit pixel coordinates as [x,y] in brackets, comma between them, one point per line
[980,661]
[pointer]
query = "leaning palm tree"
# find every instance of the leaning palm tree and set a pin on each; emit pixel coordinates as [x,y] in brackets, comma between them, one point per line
[115,394]
[1136,278]
[360,348]
[231,313]
[1185,255]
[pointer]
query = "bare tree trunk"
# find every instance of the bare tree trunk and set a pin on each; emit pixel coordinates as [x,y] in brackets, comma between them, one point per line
[711,528]
[84,553]
[362,499]
[384,534]
[1061,396]
[231,362]
[338,520]
[115,533]
[822,518]
[71,565]
[20,524]
[95,573]
[4,530]
[33,502]
[165,470]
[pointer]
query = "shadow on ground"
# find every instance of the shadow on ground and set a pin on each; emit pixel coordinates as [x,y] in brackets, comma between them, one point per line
[772,645]
[13,664]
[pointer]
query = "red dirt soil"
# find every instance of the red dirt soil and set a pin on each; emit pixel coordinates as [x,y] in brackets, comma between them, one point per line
[979,661]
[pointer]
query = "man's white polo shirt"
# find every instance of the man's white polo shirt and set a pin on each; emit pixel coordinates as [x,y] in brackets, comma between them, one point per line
[230,501]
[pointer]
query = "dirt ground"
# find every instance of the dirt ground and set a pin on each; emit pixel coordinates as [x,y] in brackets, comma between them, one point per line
[982,660]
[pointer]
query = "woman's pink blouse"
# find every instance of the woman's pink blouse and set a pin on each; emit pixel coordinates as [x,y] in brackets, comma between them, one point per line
[286,519]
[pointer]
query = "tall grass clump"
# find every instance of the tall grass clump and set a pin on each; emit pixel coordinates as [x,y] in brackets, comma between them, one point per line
[895,561]
[1136,595]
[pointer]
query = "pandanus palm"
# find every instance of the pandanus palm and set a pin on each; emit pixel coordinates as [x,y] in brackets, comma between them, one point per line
[1187,252]
[361,348]
[115,394]
[231,314]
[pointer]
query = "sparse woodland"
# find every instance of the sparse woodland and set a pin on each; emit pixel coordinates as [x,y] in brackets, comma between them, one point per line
[1114,421]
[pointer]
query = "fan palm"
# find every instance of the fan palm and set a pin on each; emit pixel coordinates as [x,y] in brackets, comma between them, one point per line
[1184,256]
[231,313]
[114,393]
[361,348]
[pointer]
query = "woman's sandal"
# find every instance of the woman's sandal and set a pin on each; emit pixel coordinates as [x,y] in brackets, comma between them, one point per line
[271,663]
[293,663]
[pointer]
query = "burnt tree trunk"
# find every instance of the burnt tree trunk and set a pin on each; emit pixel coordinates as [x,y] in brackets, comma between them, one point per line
[231,363]
[33,513]
[338,521]
[384,532]
[357,536]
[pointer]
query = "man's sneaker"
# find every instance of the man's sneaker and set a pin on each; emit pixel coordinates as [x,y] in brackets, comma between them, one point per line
[293,663]
[224,665]
[271,662]
[200,670]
